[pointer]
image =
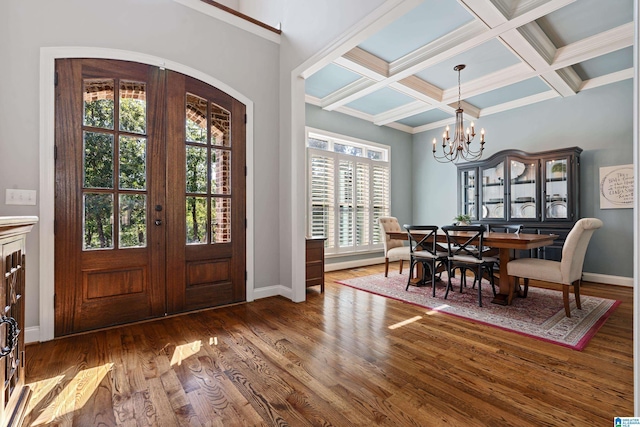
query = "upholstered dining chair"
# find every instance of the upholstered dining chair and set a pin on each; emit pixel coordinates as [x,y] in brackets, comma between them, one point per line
[567,271]
[424,249]
[394,250]
[466,253]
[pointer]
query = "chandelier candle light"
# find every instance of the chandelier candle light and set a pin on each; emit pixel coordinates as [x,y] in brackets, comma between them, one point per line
[459,147]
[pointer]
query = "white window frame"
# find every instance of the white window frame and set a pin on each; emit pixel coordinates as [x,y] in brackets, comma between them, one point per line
[333,247]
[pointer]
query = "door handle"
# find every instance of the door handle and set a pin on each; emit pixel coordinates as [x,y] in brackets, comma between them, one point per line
[158,222]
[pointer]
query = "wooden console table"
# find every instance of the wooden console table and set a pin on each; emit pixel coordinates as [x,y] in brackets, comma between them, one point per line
[15,394]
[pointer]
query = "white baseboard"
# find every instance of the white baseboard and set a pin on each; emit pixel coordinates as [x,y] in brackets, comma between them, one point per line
[31,334]
[608,279]
[353,264]
[270,291]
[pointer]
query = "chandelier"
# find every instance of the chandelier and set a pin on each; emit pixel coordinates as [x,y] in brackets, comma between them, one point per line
[458,146]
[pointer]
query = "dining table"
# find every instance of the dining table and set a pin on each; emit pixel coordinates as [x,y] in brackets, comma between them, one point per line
[506,243]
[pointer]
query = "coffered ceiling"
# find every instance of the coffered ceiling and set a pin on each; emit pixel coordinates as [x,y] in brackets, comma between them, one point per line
[516,52]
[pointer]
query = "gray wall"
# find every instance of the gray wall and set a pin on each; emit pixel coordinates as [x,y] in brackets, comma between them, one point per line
[170,31]
[600,121]
[401,149]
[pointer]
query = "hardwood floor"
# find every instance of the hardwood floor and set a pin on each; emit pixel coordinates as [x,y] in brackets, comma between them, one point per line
[332,360]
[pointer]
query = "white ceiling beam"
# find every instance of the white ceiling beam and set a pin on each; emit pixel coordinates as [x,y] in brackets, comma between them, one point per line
[596,45]
[511,105]
[399,113]
[356,87]
[388,12]
[607,79]
[505,77]
[464,38]
[528,42]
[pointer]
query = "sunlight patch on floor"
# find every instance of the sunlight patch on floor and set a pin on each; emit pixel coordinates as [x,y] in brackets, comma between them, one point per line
[73,396]
[405,322]
[185,351]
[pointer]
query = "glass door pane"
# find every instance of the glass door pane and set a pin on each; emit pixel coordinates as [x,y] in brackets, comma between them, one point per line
[523,178]
[556,186]
[469,192]
[208,171]
[493,192]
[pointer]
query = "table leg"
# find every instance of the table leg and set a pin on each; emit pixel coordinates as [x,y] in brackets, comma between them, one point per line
[504,295]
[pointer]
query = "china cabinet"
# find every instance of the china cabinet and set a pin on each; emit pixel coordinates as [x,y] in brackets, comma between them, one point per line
[539,190]
[15,394]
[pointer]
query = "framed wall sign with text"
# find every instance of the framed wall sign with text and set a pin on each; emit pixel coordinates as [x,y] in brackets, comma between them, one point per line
[616,187]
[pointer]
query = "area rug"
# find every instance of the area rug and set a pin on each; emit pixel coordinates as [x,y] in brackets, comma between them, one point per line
[540,315]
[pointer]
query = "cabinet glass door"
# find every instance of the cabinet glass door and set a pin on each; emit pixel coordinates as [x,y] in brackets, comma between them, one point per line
[522,189]
[469,193]
[493,192]
[556,188]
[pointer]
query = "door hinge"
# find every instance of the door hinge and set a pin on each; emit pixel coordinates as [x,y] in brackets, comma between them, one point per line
[54,301]
[246,275]
[246,223]
[55,152]
[55,79]
[245,119]
[245,171]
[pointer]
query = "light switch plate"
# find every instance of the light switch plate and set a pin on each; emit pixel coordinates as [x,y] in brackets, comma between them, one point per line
[20,197]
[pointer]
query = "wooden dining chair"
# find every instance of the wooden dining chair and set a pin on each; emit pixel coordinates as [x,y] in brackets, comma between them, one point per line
[465,252]
[394,250]
[567,271]
[424,249]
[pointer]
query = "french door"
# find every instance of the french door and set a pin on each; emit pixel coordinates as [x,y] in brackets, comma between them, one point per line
[150,194]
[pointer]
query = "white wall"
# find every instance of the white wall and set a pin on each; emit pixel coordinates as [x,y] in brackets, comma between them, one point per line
[172,32]
[268,11]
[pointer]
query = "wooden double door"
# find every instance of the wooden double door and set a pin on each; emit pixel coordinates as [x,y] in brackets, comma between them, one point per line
[150,194]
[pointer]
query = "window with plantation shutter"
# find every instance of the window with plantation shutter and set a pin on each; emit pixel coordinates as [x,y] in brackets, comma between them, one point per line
[348,190]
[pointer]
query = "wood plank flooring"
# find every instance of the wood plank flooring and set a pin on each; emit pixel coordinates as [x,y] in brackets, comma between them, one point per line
[331,361]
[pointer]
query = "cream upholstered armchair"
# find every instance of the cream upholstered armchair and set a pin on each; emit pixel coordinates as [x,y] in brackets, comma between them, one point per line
[568,271]
[394,250]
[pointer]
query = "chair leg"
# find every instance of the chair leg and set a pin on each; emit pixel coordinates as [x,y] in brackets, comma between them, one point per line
[433,277]
[565,299]
[526,287]
[401,262]
[449,275]
[576,292]
[386,267]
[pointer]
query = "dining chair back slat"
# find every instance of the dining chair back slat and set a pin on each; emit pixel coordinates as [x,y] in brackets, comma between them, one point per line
[466,252]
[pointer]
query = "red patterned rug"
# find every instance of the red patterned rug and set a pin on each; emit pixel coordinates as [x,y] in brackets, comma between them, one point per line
[540,315]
